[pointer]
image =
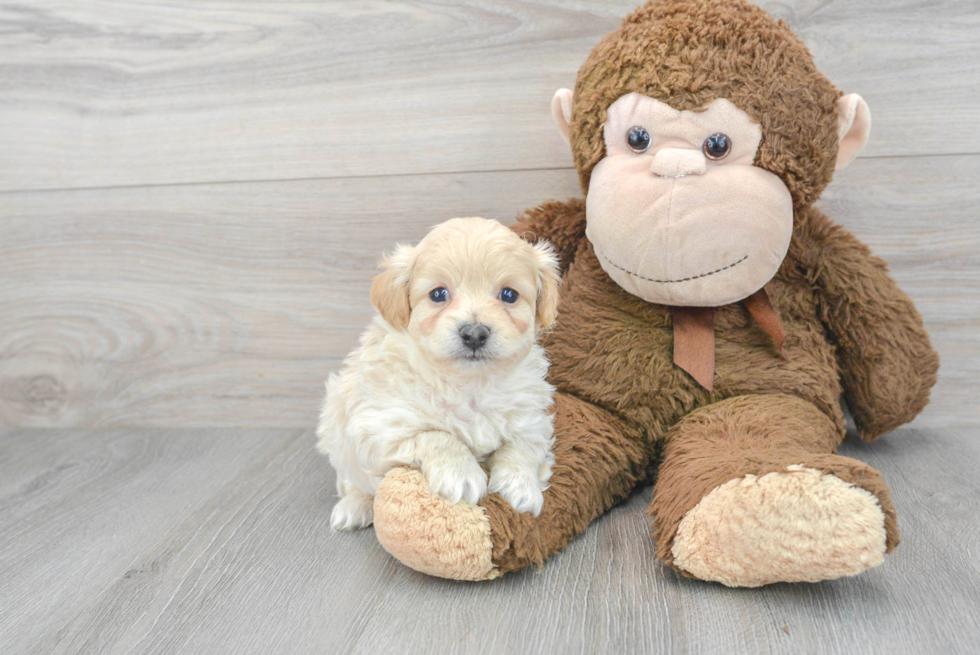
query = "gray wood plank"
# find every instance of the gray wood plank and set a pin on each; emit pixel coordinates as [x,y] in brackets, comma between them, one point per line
[207,305]
[256,569]
[229,304]
[116,93]
[79,511]
[939,475]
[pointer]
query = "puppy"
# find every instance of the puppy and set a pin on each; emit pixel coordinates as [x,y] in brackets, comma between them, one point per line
[449,373]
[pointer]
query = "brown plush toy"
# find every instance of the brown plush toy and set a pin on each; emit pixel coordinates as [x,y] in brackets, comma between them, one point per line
[710,320]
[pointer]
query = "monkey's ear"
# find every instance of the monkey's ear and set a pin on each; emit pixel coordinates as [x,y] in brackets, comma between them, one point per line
[853,128]
[561,111]
[389,292]
[549,283]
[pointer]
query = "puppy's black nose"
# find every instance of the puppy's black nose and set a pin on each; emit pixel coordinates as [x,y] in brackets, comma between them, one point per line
[474,335]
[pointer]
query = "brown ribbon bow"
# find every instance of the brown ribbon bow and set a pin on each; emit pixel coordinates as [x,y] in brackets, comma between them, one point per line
[694,335]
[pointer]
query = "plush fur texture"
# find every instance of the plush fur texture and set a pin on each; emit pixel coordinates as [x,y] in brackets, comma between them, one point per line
[761,435]
[797,525]
[413,393]
[624,413]
[675,228]
[456,537]
[688,54]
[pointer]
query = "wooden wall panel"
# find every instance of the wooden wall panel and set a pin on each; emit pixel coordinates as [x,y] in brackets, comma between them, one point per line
[207,305]
[228,304]
[121,93]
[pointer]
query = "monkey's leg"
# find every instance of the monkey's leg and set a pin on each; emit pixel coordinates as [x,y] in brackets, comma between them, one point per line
[750,492]
[598,461]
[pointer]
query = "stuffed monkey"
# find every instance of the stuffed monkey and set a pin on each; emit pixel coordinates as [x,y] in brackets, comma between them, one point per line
[710,320]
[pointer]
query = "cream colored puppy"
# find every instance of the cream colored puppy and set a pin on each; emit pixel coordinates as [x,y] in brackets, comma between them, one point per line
[449,373]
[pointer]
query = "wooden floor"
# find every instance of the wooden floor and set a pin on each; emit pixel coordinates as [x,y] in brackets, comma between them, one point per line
[215,541]
[193,196]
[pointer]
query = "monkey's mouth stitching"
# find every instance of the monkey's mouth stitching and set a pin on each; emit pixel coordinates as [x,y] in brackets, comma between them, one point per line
[686,279]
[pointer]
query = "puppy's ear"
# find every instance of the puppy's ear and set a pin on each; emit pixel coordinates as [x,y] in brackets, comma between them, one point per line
[389,293]
[549,283]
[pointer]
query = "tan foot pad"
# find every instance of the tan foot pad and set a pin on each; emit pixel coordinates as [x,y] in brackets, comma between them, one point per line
[797,526]
[426,533]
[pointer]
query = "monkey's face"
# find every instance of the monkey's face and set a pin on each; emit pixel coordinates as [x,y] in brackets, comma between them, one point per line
[676,210]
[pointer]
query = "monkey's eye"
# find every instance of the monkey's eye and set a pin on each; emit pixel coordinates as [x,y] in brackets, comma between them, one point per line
[638,139]
[508,295]
[717,146]
[440,294]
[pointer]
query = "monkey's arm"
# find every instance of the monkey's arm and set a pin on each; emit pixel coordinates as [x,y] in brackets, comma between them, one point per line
[561,223]
[887,363]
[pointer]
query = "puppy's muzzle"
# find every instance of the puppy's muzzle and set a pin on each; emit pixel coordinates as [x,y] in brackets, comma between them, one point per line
[474,335]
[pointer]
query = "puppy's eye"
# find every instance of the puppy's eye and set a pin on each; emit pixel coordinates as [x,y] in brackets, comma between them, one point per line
[717,146]
[440,294]
[508,295]
[638,139]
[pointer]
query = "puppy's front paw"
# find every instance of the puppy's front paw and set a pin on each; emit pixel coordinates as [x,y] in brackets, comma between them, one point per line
[519,487]
[352,512]
[456,479]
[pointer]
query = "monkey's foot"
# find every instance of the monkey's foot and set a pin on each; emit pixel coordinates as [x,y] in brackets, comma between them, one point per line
[801,525]
[430,535]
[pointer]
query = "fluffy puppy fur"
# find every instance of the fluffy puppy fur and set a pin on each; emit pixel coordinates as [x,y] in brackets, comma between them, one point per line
[449,373]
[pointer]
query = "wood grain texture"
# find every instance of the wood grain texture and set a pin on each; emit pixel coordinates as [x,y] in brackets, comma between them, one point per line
[79,509]
[229,304]
[253,566]
[119,93]
[207,305]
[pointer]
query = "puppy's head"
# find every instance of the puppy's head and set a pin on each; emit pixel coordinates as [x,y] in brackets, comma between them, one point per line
[472,293]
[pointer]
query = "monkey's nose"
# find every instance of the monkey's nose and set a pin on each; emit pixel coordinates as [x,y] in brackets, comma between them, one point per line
[678,162]
[474,335]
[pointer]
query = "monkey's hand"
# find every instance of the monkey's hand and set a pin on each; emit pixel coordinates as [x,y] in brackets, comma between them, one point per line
[887,364]
[561,223]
